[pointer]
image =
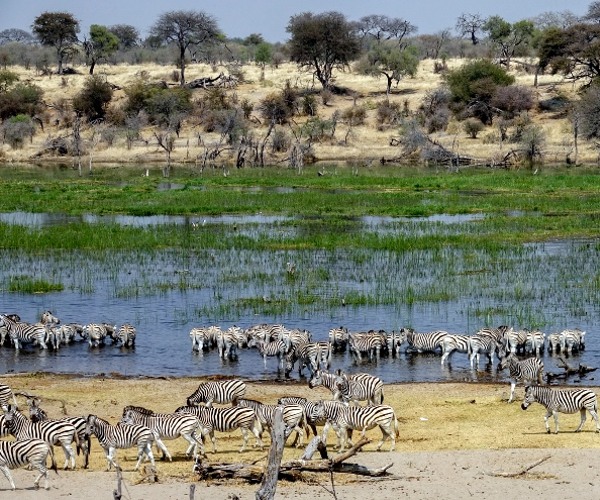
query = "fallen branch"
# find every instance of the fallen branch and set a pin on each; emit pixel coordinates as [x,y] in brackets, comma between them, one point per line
[522,472]
[569,370]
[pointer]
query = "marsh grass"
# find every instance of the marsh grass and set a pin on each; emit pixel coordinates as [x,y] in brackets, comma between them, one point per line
[432,417]
[28,284]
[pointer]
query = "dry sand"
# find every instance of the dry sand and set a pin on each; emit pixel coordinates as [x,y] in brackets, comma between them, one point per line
[567,474]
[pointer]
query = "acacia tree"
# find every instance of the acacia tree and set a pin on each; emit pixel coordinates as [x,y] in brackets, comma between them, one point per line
[470,25]
[185,28]
[58,30]
[102,43]
[322,42]
[507,37]
[127,35]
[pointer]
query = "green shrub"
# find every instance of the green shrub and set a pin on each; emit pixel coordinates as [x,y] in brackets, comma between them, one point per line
[472,127]
[93,99]
[21,99]
[16,129]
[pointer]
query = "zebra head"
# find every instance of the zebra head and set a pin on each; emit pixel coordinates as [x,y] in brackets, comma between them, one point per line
[90,425]
[48,318]
[316,379]
[529,397]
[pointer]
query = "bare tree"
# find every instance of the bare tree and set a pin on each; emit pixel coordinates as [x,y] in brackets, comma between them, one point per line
[470,25]
[185,28]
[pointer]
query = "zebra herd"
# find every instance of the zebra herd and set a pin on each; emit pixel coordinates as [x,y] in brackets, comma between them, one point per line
[49,333]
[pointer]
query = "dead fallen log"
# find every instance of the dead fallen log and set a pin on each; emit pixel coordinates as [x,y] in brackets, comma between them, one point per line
[569,370]
[521,472]
[293,469]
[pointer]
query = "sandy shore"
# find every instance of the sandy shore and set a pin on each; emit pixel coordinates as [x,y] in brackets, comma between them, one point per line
[567,473]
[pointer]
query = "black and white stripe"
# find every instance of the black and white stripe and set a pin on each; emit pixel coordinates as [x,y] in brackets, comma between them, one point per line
[482,344]
[535,342]
[227,343]
[275,348]
[225,420]
[24,333]
[423,342]
[528,371]
[344,418]
[453,342]
[166,426]
[572,340]
[359,387]
[96,333]
[31,452]
[113,437]
[338,337]
[369,343]
[515,340]
[313,411]
[220,392]
[52,431]
[84,442]
[6,396]
[563,401]
[125,335]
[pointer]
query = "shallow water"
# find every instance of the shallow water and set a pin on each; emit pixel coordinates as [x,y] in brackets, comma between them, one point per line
[165,294]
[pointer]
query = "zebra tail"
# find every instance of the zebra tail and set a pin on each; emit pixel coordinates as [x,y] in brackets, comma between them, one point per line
[77,442]
[397,427]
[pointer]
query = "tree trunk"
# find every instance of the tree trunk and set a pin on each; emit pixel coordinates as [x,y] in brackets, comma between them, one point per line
[182,65]
[92,66]
[269,480]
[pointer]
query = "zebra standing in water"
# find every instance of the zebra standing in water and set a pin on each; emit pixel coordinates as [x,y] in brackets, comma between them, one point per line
[51,431]
[225,420]
[486,341]
[96,333]
[563,401]
[344,418]
[125,335]
[338,337]
[528,371]
[37,414]
[20,333]
[275,348]
[423,342]
[166,426]
[370,343]
[221,392]
[112,437]
[31,452]
[454,342]
[227,343]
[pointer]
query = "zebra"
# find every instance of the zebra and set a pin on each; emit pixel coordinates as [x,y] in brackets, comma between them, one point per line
[572,340]
[313,410]
[6,395]
[221,392]
[263,333]
[294,338]
[31,452]
[47,318]
[535,342]
[515,340]
[96,333]
[553,342]
[225,420]
[454,342]
[51,431]
[370,343]
[293,416]
[482,344]
[227,342]
[200,339]
[338,337]
[275,348]
[563,401]
[527,371]
[423,342]
[4,329]
[166,426]
[359,387]
[65,334]
[125,335]
[394,342]
[112,437]
[20,332]
[346,418]
[313,355]
[37,414]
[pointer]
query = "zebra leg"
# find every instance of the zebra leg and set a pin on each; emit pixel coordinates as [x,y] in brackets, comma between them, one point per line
[594,415]
[583,419]
[165,452]
[110,458]
[6,471]
[69,455]
[512,391]
[41,466]
[554,414]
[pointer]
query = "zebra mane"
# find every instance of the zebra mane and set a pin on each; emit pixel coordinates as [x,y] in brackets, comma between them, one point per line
[138,409]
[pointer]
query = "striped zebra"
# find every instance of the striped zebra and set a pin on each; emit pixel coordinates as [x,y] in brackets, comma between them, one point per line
[227,343]
[275,348]
[6,396]
[293,415]
[453,342]
[200,339]
[338,337]
[515,340]
[3,328]
[125,335]
[65,334]
[423,342]
[263,332]
[347,418]
[31,452]
[47,318]
[311,355]
[221,392]
[96,333]
[572,340]
[225,420]
[482,344]
[313,410]
[52,431]
[166,426]
[563,401]
[394,341]
[359,387]
[535,342]
[24,333]
[528,371]
[295,337]
[84,442]
[113,437]
[553,342]
[370,343]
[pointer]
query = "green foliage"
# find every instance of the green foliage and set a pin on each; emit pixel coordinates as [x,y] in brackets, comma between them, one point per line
[102,44]
[58,30]
[355,115]
[27,284]
[164,106]
[315,129]
[93,98]
[472,127]
[7,78]
[275,109]
[263,53]
[587,113]
[16,129]
[390,60]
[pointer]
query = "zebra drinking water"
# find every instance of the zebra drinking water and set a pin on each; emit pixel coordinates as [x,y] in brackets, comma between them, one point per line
[113,437]
[220,392]
[31,452]
[528,371]
[125,335]
[563,401]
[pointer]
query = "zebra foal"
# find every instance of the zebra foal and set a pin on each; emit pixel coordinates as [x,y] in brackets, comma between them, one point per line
[31,452]
[113,437]
[563,401]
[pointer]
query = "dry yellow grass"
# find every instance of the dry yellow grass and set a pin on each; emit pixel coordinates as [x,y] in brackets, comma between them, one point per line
[432,417]
[365,143]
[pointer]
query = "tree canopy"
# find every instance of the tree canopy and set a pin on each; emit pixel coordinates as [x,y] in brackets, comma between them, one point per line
[507,37]
[322,42]
[185,28]
[101,44]
[58,30]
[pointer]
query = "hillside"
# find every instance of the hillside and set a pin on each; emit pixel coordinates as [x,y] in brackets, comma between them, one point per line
[360,144]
